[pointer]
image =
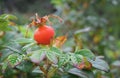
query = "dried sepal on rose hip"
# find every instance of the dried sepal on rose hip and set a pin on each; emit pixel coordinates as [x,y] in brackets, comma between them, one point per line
[44,33]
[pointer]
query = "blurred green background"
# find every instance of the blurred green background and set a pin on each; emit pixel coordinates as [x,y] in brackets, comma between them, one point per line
[92,24]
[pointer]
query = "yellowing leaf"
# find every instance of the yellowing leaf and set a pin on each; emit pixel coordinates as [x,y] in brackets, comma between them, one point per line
[59,41]
[85,65]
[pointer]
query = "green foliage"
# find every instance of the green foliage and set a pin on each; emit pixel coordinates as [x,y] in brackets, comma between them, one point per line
[37,56]
[86,53]
[49,59]
[100,64]
[91,24]
[5,21]
[51,56]
[8,17]
[95,25]
[20,55]
[24,40]
[83,74]
[13,60]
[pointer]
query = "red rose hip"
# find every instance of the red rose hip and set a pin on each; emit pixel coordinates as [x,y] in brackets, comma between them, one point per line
[44,34]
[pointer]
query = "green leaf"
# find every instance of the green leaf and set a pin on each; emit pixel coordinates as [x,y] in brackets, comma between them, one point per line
[25,66]
[28,46]
[56,50]
[56,2]
[4,21]
[79,57]
[37,56]
[24,40]
[4,25]
[4,66]
[8,17]
[85,53]
[75,58]
[5,54]
[12,49]
[116,63]
[37,70]
[11,43]
[52,57]
[13,60]
[63,59]
[79,73]
[100,64]
[90,73]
